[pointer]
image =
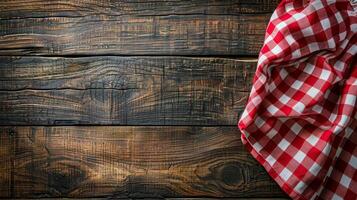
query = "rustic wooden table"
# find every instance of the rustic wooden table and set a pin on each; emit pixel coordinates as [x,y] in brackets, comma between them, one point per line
[124,99]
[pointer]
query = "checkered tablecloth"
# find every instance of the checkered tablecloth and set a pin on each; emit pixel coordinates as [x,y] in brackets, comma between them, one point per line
[300,121]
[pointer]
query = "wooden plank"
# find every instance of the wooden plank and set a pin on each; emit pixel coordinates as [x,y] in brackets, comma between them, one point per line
[123,90]
[183,198]
[134,35]
[88,27]
[7,164]
[69,161]
[124,72]
[68,8]
[268,198]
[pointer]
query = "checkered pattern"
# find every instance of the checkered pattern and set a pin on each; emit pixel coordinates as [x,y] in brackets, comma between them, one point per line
[300,121]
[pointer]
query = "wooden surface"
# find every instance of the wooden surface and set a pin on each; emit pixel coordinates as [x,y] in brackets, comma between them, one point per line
[123,90]
[129,99]
[129,162]
[131,35]
[68,8]
[88,27]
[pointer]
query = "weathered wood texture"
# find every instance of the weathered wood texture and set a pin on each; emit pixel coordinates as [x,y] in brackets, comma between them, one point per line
[208,198]
[178,198]
[123,90]
[228,198]
[125,63]
[129,162]
[69,8]
[136,28]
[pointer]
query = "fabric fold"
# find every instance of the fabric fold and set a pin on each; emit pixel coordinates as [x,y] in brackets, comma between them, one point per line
[300,121]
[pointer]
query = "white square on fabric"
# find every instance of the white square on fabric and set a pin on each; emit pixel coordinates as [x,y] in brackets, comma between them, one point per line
[289,7]
[325,74]
[272,109]
[259,122]
[312,92]
[283,144]
[281,25]
[353,161]
[332,117]
[289,39]
[338,17]
[299,107]
[283,74]
[325,23]
[296,128]
[343,120]
[317,5]
[342,36]
[313,46]
[317,108]
[268,39]
[297,84]
[336,197]
[315,169]
[312,140]
[349,131]
[271,133]
[272,86]
[300,187]
[273,16]
[331,43]
[257,147]
[299,156]
[262,78]
[354,27]
[285,174]
[353,49]
[298,16]
[276,50]
[309,68]
[339,65]
[244,114]
[326,149]
[307,31]
[345,181]
[350,99]
[256,100]
[284,99]
[296,53]
[271,160]
[262,58]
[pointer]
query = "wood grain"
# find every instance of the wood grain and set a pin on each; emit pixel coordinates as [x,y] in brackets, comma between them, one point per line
[130,162]
[179,198]
[209,198]
[69,8]
[123,90]
[93,27]
[7,164]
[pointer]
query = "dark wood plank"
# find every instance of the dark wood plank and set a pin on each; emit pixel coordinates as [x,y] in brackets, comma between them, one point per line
[268,198]
[197,34]
[130,162]
[123,90]
[88,27]
[237,198]
[7,164]
[182,198]
[121,72]
[68,8]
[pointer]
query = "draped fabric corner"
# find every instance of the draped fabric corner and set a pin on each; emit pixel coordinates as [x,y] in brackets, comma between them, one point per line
[300,121]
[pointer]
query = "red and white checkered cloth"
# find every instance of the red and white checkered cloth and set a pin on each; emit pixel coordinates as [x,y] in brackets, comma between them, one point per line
[300,122]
